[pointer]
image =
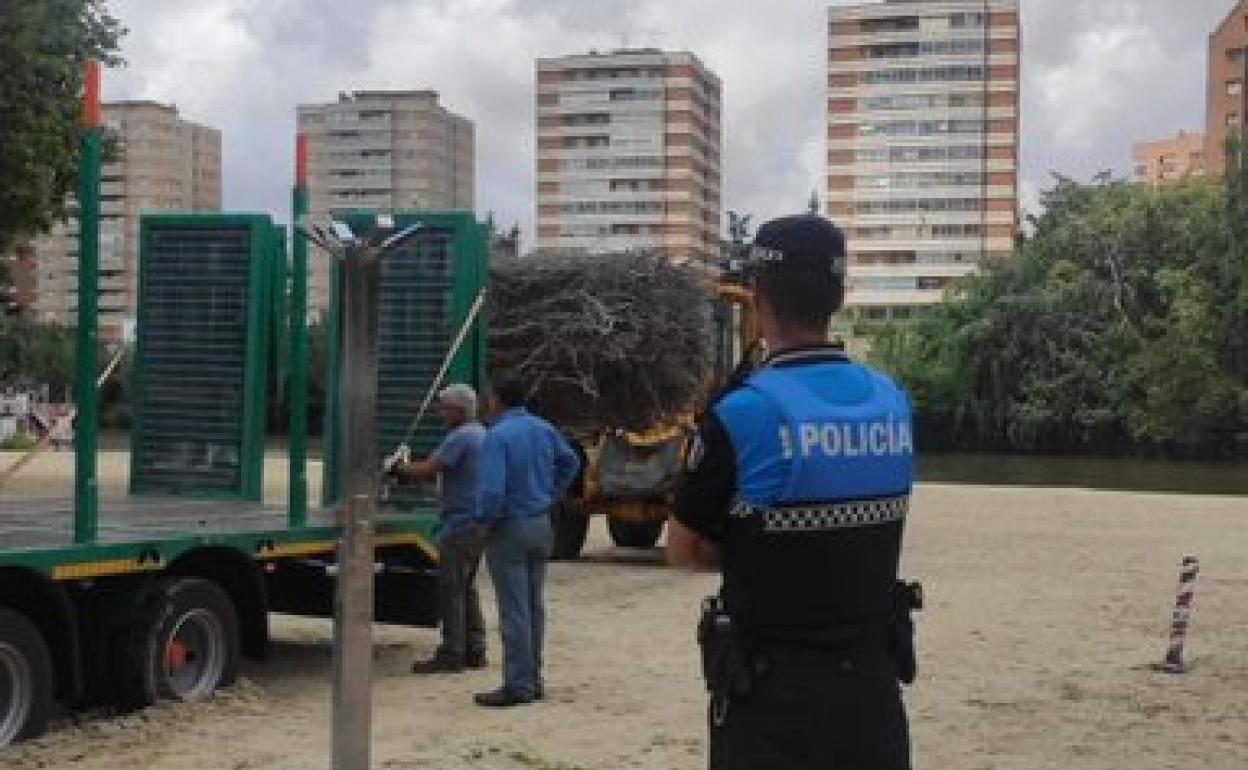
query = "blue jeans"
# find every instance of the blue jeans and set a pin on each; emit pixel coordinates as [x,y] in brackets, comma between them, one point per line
[516,555]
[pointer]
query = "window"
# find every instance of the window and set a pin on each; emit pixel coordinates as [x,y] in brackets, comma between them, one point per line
[612,207]
[899,24]
[885,284]
[923,127]
[954,73]
[1234,87]
[922,180]
[923,48]
[919,154]
[635,94]
[899,206]
[919,102]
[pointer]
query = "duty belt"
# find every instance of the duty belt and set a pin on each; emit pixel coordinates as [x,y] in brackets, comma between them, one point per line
[821,518]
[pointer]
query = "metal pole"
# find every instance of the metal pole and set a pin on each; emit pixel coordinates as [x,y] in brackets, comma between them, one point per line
[1173,662]
[331,420]
[297,511]
[353,629]
[86,491]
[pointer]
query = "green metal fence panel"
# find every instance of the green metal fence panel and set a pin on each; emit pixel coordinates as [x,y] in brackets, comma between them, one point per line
[427,289]
[202,355]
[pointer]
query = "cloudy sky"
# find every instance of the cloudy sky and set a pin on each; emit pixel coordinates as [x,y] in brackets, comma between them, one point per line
[1098,74]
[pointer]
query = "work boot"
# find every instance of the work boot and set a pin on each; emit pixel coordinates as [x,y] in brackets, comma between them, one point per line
[501,698]
[438,664]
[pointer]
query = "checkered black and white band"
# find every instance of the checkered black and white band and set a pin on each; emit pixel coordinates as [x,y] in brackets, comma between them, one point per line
[828,517]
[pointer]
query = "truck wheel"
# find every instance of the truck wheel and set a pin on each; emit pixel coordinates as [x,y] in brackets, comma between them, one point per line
[183,645]
[26,679]
[635,534]
[571,526]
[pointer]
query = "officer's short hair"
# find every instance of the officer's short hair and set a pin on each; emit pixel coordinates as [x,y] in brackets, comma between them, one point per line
[462,396]
[802,274]
[509,389]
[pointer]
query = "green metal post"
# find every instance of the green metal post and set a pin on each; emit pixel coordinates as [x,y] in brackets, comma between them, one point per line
[331,434]
[298,377]
[86,489]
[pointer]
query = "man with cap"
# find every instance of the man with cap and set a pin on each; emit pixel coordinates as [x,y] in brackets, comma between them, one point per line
[456,462]
[796,488]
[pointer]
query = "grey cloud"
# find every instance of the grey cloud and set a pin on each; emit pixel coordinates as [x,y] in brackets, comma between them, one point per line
[1098,74]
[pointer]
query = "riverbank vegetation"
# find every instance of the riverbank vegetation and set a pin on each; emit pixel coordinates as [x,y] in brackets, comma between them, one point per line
[1121,326]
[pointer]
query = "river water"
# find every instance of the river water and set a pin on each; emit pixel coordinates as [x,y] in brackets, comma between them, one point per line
[1204,478]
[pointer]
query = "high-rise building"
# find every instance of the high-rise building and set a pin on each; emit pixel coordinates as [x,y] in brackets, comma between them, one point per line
[628,153]
[384,150]
[1170,160]
[163,163]
[1226,103]
[18,265]
[923,140]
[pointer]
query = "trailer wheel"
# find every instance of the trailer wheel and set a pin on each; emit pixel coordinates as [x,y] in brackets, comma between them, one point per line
[26,679]
[183,645]
[571,527]
[635,534]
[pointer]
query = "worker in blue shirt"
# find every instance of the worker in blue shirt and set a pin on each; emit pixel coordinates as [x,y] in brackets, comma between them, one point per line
[526,466]
[456,464]
[797,490]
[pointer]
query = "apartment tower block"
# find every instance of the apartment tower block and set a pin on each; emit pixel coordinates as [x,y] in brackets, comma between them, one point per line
[384,150]
[163,163]
[1227,102]
[923,145]
[628,153]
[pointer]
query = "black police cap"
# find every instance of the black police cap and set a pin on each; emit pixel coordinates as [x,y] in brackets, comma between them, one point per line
[800,242]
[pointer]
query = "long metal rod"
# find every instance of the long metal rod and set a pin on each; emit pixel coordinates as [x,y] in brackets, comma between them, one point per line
[456,344]
[297,505]
[86,485]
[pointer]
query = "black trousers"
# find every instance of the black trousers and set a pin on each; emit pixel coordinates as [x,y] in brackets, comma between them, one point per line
[815,711]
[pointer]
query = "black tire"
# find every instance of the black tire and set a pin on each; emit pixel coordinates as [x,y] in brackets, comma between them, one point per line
[571,525]
[635,534]
[183,644]
[27,679]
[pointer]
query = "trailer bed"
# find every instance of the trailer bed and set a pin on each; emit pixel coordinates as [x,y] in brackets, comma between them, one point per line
[140,534]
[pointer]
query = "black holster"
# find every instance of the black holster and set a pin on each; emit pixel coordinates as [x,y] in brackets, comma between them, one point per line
[907,598]
[726,665]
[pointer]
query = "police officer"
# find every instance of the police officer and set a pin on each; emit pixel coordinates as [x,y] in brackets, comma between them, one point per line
[797,488]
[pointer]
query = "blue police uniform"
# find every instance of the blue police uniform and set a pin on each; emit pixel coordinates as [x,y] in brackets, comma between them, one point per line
[803,475]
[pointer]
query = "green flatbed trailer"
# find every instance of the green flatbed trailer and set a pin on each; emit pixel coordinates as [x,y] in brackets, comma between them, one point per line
[170,595]
[159,595]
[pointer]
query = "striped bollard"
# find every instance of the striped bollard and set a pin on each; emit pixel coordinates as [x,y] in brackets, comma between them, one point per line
[1173,664]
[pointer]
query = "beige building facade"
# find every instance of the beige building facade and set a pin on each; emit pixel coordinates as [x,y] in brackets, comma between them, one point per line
[1226,102]
[628,153]
[384,150]
[923,145]
[1170,160]
[164,163]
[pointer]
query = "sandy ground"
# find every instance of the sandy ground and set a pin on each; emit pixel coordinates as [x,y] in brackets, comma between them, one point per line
[1045,608]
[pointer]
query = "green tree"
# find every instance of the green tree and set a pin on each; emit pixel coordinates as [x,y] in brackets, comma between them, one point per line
[46,44]
[33,354]
[1120,325]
